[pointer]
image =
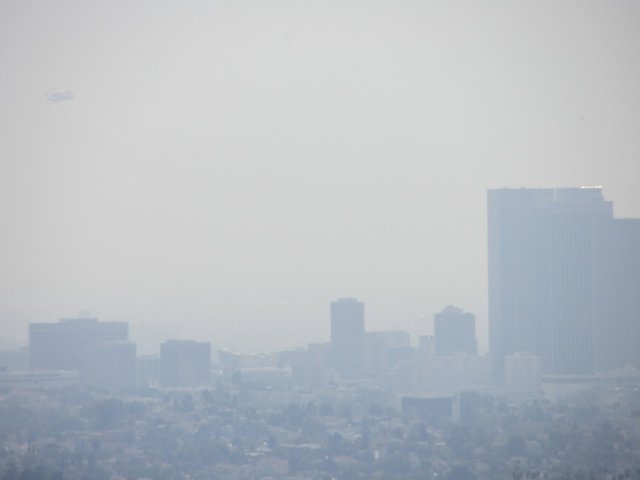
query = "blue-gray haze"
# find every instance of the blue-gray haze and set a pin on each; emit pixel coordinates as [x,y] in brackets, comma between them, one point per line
[222,170]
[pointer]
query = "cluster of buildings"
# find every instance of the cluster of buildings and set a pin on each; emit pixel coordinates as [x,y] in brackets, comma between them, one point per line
[99,354]
[564,306]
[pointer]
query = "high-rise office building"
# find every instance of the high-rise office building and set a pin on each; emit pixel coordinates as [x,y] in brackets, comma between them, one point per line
[548,251]
[347,336]
[616,300]
[185,363]
[455,332]
[67,344]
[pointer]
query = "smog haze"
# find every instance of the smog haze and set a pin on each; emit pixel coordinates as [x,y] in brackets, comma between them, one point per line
[222,170]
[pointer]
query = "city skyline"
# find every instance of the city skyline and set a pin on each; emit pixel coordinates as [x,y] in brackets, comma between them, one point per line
[540,201]
[328,239]
[292,154]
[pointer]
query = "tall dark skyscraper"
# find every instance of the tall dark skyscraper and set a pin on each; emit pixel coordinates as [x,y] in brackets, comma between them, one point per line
[551,252]
[347,336]
[455,332]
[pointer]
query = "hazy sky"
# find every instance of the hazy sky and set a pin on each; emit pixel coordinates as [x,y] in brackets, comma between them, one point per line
[227,168]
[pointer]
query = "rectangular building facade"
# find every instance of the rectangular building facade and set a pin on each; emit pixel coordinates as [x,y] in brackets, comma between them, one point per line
[455,332]
[347,337]
[543,247]
[66,345]
[616,303]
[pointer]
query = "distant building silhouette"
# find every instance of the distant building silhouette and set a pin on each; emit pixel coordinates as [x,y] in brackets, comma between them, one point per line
[552,253]
[347,336]
[616,303]
[455,332]
[185,363]
[66,345]
[99,351]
